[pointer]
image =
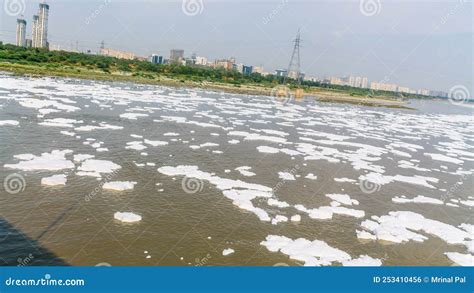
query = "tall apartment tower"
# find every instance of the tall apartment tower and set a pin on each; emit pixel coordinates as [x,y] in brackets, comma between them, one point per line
[365,83]
[21,32]
[43,25]
[176,55]
[34,32]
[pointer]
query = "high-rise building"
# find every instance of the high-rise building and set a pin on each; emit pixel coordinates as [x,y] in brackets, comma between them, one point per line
[351,81]
[358,81]
[34,31]
[43,25]
[281,72]
[21,32]
[156,59]
[176,55]
[246,70]
[365,83]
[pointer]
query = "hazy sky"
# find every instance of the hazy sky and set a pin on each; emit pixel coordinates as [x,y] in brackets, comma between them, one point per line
[419,44]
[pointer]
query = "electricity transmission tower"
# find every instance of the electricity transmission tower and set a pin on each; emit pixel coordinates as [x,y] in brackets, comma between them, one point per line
[295,64]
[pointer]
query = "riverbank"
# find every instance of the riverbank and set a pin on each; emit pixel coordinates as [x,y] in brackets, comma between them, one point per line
[320,94]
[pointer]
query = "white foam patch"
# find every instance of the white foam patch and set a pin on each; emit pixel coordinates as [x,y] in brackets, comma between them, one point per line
[155,143]
[380,179]
[54,180]
[133,116]
[119,185]
[54,161]
[462,259]
[245,171]
[343,199]
[443,158]
[127,217]
[311,176]
[417,199]
[227,251]
[286,176]
[241,193]
[343,180]
[398,227]
[9,122]
[93,167]
[59,122]
[256,136]
[312,253]
[327,212]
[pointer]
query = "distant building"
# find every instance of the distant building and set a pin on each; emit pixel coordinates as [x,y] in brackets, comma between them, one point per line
[281,72]
[423,92]
[365,83]
[358,81]
[404,90]
[140,58]
[34,32]
[21,32]
[201,61]
[258,69]
[156,59]
[439,94]
[247,70]
[351,81]
[117,54]
[176,55]
[39,28]
[29,43]
[227,64]
[383,86]
[336,81]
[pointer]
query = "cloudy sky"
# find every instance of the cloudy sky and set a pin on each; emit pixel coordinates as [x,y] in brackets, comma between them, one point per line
[419,44]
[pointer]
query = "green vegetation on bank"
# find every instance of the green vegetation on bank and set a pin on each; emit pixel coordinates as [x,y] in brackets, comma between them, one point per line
[96,66]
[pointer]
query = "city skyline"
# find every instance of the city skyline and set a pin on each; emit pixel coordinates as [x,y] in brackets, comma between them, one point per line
[328,50]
